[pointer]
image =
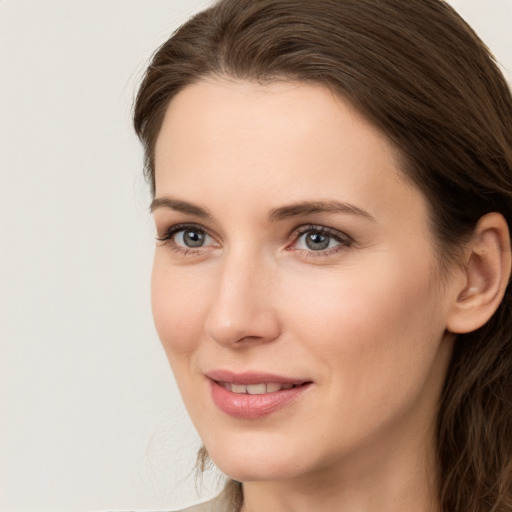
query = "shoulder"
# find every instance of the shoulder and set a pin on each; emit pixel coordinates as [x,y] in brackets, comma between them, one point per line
[202,507]
[218,504]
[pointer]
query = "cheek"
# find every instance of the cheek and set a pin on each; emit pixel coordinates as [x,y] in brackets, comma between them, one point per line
[384,319]
[178,301]
[375,337]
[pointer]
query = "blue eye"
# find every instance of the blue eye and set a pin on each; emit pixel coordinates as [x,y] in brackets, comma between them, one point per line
[191,238]
[187,237]
[317,241]
[318,238]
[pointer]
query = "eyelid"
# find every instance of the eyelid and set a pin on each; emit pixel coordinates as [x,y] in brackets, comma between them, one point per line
[170,231]
[344,240]
[167,239]
[319,228]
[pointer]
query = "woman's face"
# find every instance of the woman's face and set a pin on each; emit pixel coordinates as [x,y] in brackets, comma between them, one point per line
[296,289]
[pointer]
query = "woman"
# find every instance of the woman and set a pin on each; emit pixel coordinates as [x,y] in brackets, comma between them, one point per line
[332,193]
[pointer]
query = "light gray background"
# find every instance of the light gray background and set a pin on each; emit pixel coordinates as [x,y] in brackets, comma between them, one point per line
[90,418]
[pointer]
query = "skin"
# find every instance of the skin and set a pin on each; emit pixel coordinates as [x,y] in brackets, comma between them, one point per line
[365,320]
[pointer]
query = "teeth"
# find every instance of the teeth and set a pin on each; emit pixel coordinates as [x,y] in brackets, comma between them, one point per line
[272,388]
[255,389]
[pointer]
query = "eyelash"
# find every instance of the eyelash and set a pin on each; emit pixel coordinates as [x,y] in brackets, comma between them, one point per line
[167,238]
[343,239]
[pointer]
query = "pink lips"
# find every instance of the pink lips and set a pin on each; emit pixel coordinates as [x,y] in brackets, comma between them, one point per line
[280,391]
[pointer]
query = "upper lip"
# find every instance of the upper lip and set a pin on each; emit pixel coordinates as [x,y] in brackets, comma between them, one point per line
[252,377]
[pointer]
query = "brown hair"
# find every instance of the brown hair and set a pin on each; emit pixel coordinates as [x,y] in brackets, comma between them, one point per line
[418,72]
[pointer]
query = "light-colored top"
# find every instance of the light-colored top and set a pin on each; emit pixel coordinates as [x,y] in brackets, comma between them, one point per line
[219,504]
[209,506]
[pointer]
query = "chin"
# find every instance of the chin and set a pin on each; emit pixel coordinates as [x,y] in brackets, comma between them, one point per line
[255,470]
[247,461]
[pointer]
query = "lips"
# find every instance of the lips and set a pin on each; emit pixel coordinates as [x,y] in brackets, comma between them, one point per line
[252,395]
[255,389]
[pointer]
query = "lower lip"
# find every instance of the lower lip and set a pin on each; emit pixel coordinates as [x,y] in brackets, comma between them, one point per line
[251,407]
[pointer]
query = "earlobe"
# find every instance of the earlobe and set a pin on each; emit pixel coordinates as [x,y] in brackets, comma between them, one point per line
[486,270]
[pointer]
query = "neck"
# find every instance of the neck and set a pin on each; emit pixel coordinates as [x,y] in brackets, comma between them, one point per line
[399,477]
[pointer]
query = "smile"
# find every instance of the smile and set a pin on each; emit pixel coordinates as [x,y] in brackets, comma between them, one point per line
[255,389]
[253,396]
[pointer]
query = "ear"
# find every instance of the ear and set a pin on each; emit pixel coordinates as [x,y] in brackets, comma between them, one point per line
[486,273]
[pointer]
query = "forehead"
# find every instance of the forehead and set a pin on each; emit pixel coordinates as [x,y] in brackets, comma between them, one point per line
[278,141]
[240,108]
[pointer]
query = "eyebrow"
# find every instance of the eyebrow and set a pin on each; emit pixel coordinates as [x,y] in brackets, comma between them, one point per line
[311,207]
[179,206]
[275,215]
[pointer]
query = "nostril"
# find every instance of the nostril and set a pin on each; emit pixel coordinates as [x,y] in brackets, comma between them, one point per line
[242,325]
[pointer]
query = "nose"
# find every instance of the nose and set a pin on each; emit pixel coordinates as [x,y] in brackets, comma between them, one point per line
[243,310]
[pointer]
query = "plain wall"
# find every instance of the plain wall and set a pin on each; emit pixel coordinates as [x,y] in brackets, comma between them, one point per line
[90,417]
